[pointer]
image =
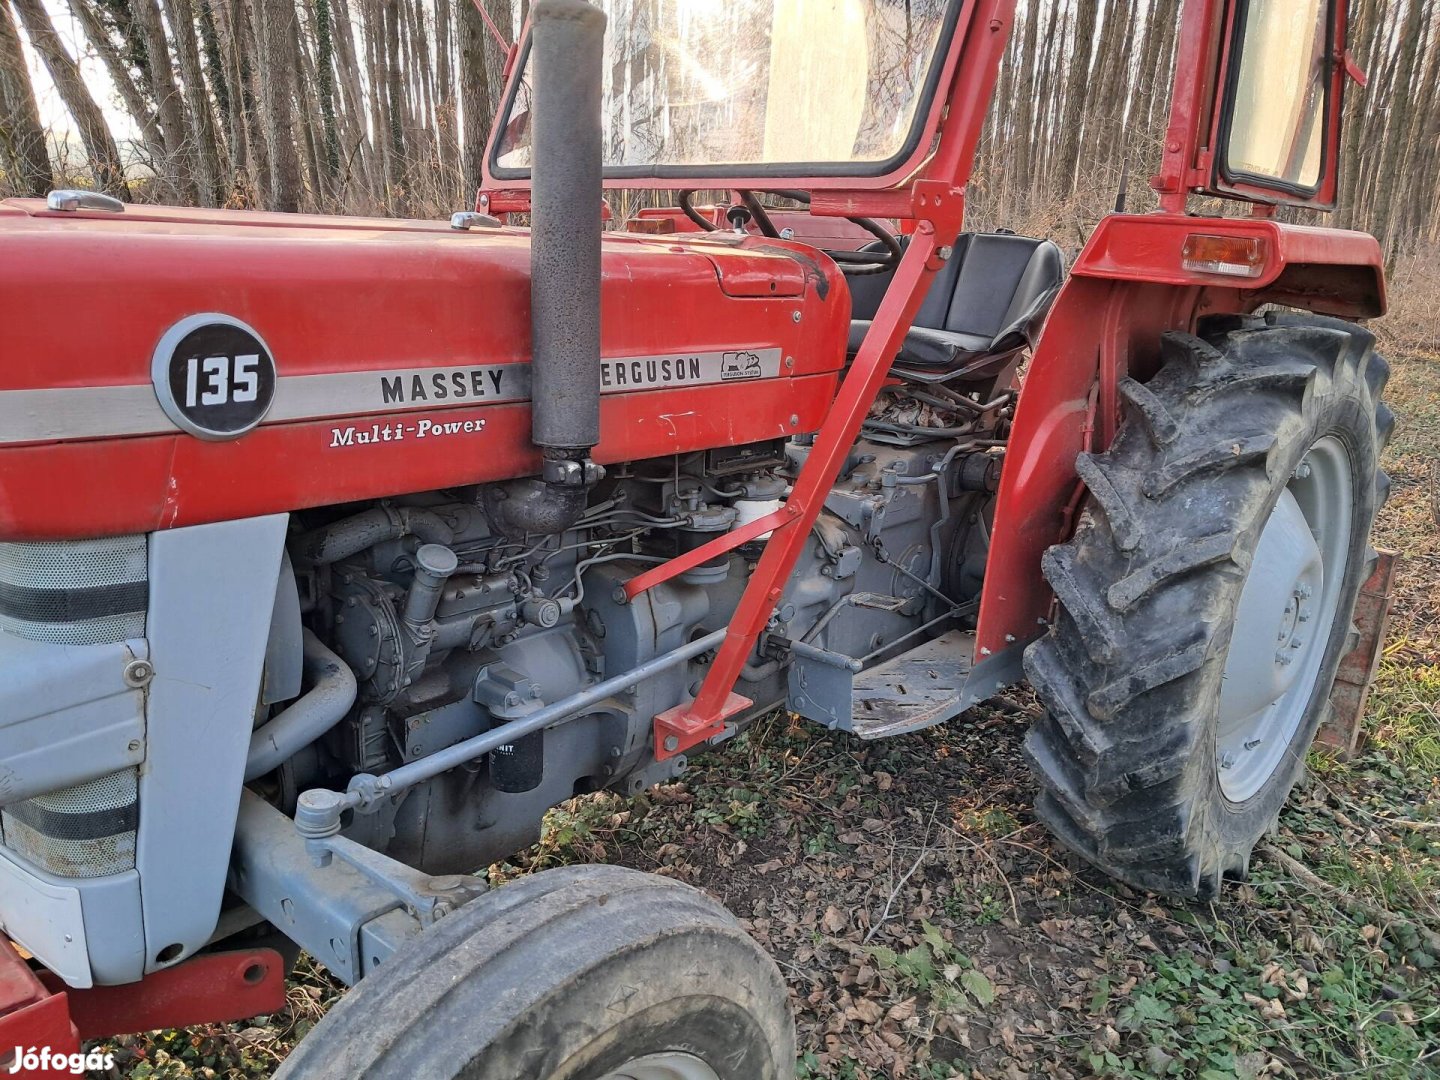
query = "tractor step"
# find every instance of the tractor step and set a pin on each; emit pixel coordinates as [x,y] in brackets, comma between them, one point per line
[917,689]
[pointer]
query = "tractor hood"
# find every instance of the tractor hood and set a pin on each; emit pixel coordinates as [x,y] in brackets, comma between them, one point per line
[165,367]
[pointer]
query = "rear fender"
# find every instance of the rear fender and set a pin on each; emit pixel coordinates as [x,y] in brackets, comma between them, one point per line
[1128,287]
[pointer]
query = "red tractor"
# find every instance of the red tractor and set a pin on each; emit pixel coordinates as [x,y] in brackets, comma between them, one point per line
[335,551]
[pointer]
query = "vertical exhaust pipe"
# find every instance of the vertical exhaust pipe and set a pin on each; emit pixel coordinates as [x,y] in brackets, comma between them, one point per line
[567,41]
[567,50]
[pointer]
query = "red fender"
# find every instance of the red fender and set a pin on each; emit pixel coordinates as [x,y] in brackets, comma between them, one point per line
[1127,287]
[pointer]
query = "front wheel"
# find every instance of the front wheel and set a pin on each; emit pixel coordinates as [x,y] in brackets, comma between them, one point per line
[581,973]
[1205,599]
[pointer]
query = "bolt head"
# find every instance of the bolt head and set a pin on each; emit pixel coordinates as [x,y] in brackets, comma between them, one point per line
[672,743]
[138,673]
[1227,759]
[795,315]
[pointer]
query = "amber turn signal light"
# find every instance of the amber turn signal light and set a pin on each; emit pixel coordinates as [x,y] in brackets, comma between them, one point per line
[1233,256]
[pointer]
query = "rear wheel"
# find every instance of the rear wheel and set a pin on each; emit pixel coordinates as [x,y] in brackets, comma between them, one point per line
[1205,599]
[582,973]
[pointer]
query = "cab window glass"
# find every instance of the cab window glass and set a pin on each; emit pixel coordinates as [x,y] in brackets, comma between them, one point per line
[1278,97]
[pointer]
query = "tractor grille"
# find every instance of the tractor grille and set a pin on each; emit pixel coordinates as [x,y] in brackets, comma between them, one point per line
[77,592]
[83,831]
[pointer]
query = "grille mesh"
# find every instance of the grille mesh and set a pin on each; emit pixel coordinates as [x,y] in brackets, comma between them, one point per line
[42,837]
[80,632]
[76,592]
[74,564]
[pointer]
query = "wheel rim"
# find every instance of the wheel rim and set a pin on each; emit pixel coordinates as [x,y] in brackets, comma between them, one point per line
[1284,621]
[671,1065]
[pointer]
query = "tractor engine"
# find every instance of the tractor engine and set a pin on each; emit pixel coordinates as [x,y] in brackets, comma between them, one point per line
[451,626]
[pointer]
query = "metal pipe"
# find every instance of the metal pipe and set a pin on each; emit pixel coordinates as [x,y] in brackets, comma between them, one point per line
[434,563]
[567,54]
[326,703]
[331,543]
[365,791]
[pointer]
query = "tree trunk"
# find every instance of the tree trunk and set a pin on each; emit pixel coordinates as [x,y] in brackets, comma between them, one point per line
[201,128]
[389,45]
[141,111]
[1077,95]
[325,86]
[482,76]
[275,33]
[446,116]
[100,146]
[358,153]
[22,139]
[474,94]
[171,105]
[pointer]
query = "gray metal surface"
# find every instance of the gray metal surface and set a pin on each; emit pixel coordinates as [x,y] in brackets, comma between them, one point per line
[918,689]
[365,791]
[199,716]
[47,918]
[1284,621]
[670,1065]
[56,696]
[323,909]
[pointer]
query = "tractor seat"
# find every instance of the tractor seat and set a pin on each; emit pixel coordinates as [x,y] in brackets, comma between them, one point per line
[984,304]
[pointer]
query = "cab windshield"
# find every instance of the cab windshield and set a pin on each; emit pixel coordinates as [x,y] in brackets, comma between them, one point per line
[770,87]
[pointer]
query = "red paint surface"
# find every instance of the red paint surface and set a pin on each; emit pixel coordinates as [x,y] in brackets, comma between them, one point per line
[206,989]
[87,298]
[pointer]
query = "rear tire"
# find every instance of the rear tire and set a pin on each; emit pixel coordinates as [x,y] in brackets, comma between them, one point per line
[581,973]
[1147,766]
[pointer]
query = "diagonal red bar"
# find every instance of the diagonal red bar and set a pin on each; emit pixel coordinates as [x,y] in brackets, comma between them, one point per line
[777,519]
[682,727]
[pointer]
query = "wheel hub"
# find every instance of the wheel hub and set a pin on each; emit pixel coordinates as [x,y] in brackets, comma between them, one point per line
[1284,620]
[670,1065]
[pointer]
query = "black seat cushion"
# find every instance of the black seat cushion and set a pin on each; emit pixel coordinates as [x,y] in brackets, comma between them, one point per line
[988,300]
[925,347]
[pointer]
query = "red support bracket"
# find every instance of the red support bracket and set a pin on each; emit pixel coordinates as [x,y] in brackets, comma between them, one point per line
[680,728]
[206,989]
[40,1013]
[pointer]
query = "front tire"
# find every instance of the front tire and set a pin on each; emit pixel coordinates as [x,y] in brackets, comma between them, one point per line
[1205,599]
[580,973]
